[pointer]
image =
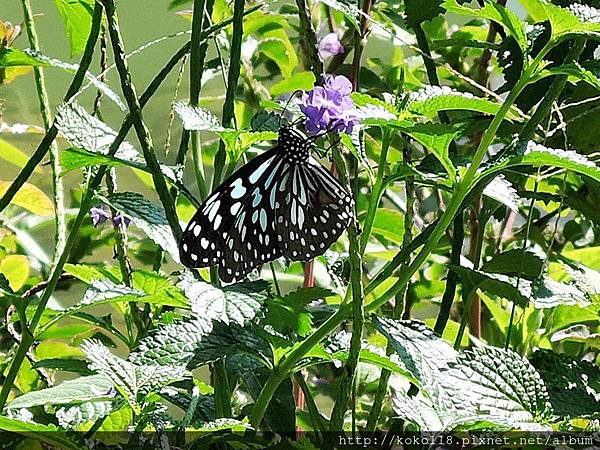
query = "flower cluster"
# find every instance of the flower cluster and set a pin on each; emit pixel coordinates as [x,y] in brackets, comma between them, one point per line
[330,107]
[100,214]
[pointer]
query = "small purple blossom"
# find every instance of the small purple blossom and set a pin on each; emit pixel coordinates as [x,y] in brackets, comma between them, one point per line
[100,214]
[330,46]
[330,107]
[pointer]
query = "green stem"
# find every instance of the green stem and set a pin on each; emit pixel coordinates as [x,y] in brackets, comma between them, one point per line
[309,42]
[235,61]
[313,410]
[57,184]
[28,338]
[135,110]
[462,190]
[376,191]
[51,134]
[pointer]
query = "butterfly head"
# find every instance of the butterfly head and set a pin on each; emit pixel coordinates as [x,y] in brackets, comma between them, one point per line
[295,146]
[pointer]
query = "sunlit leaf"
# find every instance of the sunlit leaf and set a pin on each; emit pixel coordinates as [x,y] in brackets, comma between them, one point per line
[30,198]
[77,19]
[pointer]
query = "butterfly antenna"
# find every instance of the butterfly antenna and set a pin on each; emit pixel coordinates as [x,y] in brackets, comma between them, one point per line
[288,104]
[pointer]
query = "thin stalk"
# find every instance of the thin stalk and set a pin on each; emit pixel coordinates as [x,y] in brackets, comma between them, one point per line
[462,190]
[135,111]
[313,410]
[222,389]
[523,248]
[28,338]
[57,184]
[197,56]
[309,42]
[376,192]
[52,132]
[235,60]
[346,385]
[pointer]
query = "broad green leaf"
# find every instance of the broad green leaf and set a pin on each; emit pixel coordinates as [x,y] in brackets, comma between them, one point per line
[77,19]
[573,385]
[503,192]
[349,10]
[87,132]
[436,137]
[389,223]
[301,80]
[234,304]
[117,420]
[77,390]
[276,50]
[88,272]
[64,364]
[70,417]
[196,118]
[172,344]
[547,293]
[13,155]
[537,155]
[432,99]
[495,12]
[49,434]
[564,22]
[577,333]
[237,142]
[266,121]
[16,270]
[30,198]
[132,380]
[575,71]
[148,217]
[515,262]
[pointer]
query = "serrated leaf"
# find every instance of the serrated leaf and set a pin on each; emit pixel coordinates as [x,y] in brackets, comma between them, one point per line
[234,304]
[436,137]
[196,118]
[419,11]
[78,390]
[515,262]
[132,380]
[220,425]
[15,268]
[350,11]
[575,71]
[87,132]
[546,293]
[499,386]
[276,50]
[573,386]
[50,434]
[502,191]
[74,416]
[577,333]
[563,21]
[30,198]
[238,141]
[64,364]
[147,216]
[77,19]
[14,57]
[266,121]
[172,344]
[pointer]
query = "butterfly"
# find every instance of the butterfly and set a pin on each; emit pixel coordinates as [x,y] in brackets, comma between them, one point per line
[281,203]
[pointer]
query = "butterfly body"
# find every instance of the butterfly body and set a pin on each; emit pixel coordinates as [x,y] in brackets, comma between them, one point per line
[281,203]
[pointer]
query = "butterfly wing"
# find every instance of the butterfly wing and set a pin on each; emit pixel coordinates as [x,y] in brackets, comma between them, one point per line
[235,227]
[314,210]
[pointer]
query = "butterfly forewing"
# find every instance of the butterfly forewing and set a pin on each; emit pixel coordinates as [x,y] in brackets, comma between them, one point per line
[234,228]
[314,209]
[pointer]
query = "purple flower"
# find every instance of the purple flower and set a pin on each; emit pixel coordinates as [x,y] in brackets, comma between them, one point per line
[330,107]
[100,214]
[330,46]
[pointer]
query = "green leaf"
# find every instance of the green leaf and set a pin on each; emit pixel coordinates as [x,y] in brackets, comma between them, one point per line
[389,223]
[13,57]
[132,380]
[495,12]
[573,70]
[220,425]
[304,81]
[503,192]
[77,19]
[238,141]
[234,304]
[87,132]
[148,217]
[419,11]
[436,137]
[431,99]
[15,269]
[196,118]
[547,293]
[70,417]
[349,10]
[31,198]
[515,262]
[564,22]
[276,50]
[265,121]
[578,333]
[537,155]
[13,155]
[77,390]
[67,365]
[50,434]
[573,385]
[172,344]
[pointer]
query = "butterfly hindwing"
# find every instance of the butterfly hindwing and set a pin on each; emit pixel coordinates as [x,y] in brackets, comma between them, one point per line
[314,210]
[230,229]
